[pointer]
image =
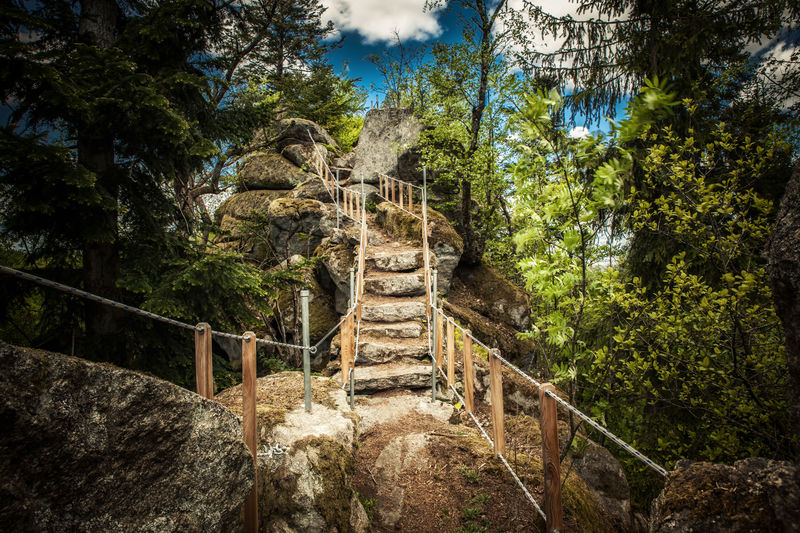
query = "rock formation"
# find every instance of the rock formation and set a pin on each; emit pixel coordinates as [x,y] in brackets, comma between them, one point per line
[386,146]
[752,495]
[784,270]
[92,447]
[305,461]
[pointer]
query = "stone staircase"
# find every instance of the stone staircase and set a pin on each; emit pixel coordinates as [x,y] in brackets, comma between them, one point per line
[393,340]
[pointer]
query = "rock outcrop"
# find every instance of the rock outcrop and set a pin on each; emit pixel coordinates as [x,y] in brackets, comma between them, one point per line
[444,242]
[268,170]
[784,271]
[305,460]
[386,146]
[752,495]
[298,225]
[92,447]
[301,131]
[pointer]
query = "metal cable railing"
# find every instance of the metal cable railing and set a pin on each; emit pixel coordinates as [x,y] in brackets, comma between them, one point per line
[499,455]
[624,445]
[136,311]
[326,175]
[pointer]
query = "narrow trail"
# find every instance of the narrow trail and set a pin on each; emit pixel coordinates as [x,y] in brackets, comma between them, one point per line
[394,338]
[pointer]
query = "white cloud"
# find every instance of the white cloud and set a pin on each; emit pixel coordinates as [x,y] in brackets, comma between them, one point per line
[378,20]
[579,132]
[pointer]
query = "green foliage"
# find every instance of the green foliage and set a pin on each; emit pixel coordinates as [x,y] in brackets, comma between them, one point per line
[567,190]
[686,364]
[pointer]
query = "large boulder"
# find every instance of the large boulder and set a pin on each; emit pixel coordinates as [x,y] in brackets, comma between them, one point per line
[305,460]
[302,131]
[386,146]
[752,495]
[298,225]
[606,480]
[92,447]
[338,258]
[302,154]
[494,296]
[443,240]
[242,205]
[268,170]
[314,189]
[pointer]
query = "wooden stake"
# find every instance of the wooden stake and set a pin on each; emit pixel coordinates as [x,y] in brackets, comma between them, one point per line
[380,184]
[498,414]
[202,358]
[392,186]
[469,372]
[410,197]
[550,459]
[250,425]
[439,337]
[400,192]
[451,353]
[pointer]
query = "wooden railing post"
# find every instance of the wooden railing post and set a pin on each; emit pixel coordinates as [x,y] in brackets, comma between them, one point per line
[550,459]
[498,415]
[439,337]
[380,184]
[469,372]
[410,198]
[451,353]
[250,425]
[203,369]
[394,198]
[400,192]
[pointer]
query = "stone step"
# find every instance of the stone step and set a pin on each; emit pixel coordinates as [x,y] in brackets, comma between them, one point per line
[398,375]
[387,311]
[395,261]
[377,352]
[396,285]
[396,330]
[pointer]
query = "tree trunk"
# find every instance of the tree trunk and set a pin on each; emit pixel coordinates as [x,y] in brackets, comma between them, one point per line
[98,27]
[784,269]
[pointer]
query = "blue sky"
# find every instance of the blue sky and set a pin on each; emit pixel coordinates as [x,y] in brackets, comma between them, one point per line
[369,26]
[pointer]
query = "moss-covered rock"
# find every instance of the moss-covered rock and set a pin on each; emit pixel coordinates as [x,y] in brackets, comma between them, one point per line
[443,240]
[314,189]
[241,206]
[302,153]
[486,291]
[305,460]
[92,447]
[268,170]
[752,495]
[295,130]
[338,258]
[298,225]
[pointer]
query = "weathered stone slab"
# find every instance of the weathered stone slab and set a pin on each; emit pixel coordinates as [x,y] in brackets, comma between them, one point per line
[393,330]
[372,352]
[396,285]
[394,376]
[401,261]
[393,312]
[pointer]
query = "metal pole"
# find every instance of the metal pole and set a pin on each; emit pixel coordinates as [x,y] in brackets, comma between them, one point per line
[352,287]
[352,389]
[306,352]
[337,198]
[435,318]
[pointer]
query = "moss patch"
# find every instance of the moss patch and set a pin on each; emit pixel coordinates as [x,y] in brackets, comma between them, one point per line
[402,225]
[335,465]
